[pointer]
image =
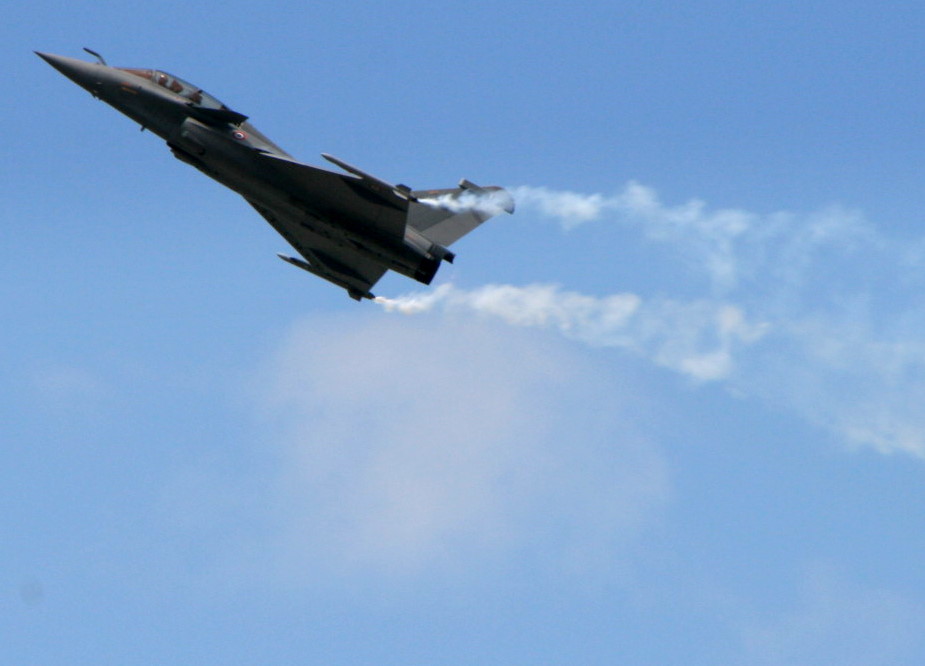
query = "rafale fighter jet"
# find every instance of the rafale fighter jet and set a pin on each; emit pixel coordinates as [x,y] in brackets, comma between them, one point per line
[350,228]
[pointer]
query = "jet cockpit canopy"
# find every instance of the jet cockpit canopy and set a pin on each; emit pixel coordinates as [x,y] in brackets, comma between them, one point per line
[177,85]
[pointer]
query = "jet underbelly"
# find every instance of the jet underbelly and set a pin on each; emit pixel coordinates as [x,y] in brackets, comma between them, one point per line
[245,171]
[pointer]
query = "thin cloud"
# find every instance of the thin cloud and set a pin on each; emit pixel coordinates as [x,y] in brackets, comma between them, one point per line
[433,446]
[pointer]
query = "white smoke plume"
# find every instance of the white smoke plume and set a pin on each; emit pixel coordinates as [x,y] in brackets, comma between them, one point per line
[730,245]
[818,313]
[697,339]
[489,202]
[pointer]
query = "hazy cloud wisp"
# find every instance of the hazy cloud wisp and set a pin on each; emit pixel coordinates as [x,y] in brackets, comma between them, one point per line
[439,446]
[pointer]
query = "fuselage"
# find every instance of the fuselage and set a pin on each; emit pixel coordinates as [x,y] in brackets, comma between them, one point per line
[221,143]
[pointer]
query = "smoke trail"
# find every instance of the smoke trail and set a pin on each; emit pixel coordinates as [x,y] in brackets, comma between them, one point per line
[488,202]
[696,339]
[729,245]
[817,313]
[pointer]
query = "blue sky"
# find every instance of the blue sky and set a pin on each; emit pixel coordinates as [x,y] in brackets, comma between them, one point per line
[669,412]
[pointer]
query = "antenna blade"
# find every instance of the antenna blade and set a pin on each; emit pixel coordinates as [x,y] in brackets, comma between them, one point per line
[97,55]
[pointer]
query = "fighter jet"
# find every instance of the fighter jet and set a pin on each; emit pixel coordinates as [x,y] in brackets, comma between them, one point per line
[349,228]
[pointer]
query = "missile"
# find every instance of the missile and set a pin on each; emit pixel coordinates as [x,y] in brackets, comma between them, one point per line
[375,184]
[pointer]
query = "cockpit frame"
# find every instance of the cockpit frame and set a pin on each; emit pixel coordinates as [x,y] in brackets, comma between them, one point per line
[178,86]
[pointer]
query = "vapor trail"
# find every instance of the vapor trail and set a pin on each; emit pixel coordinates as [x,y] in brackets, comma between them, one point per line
[697,339]
[729,246]
[491,202]
[816,312]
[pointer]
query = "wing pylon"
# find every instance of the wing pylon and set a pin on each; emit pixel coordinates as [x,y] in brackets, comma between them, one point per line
[341,279]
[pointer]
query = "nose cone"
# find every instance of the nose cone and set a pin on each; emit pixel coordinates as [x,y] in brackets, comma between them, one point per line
[85,74]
